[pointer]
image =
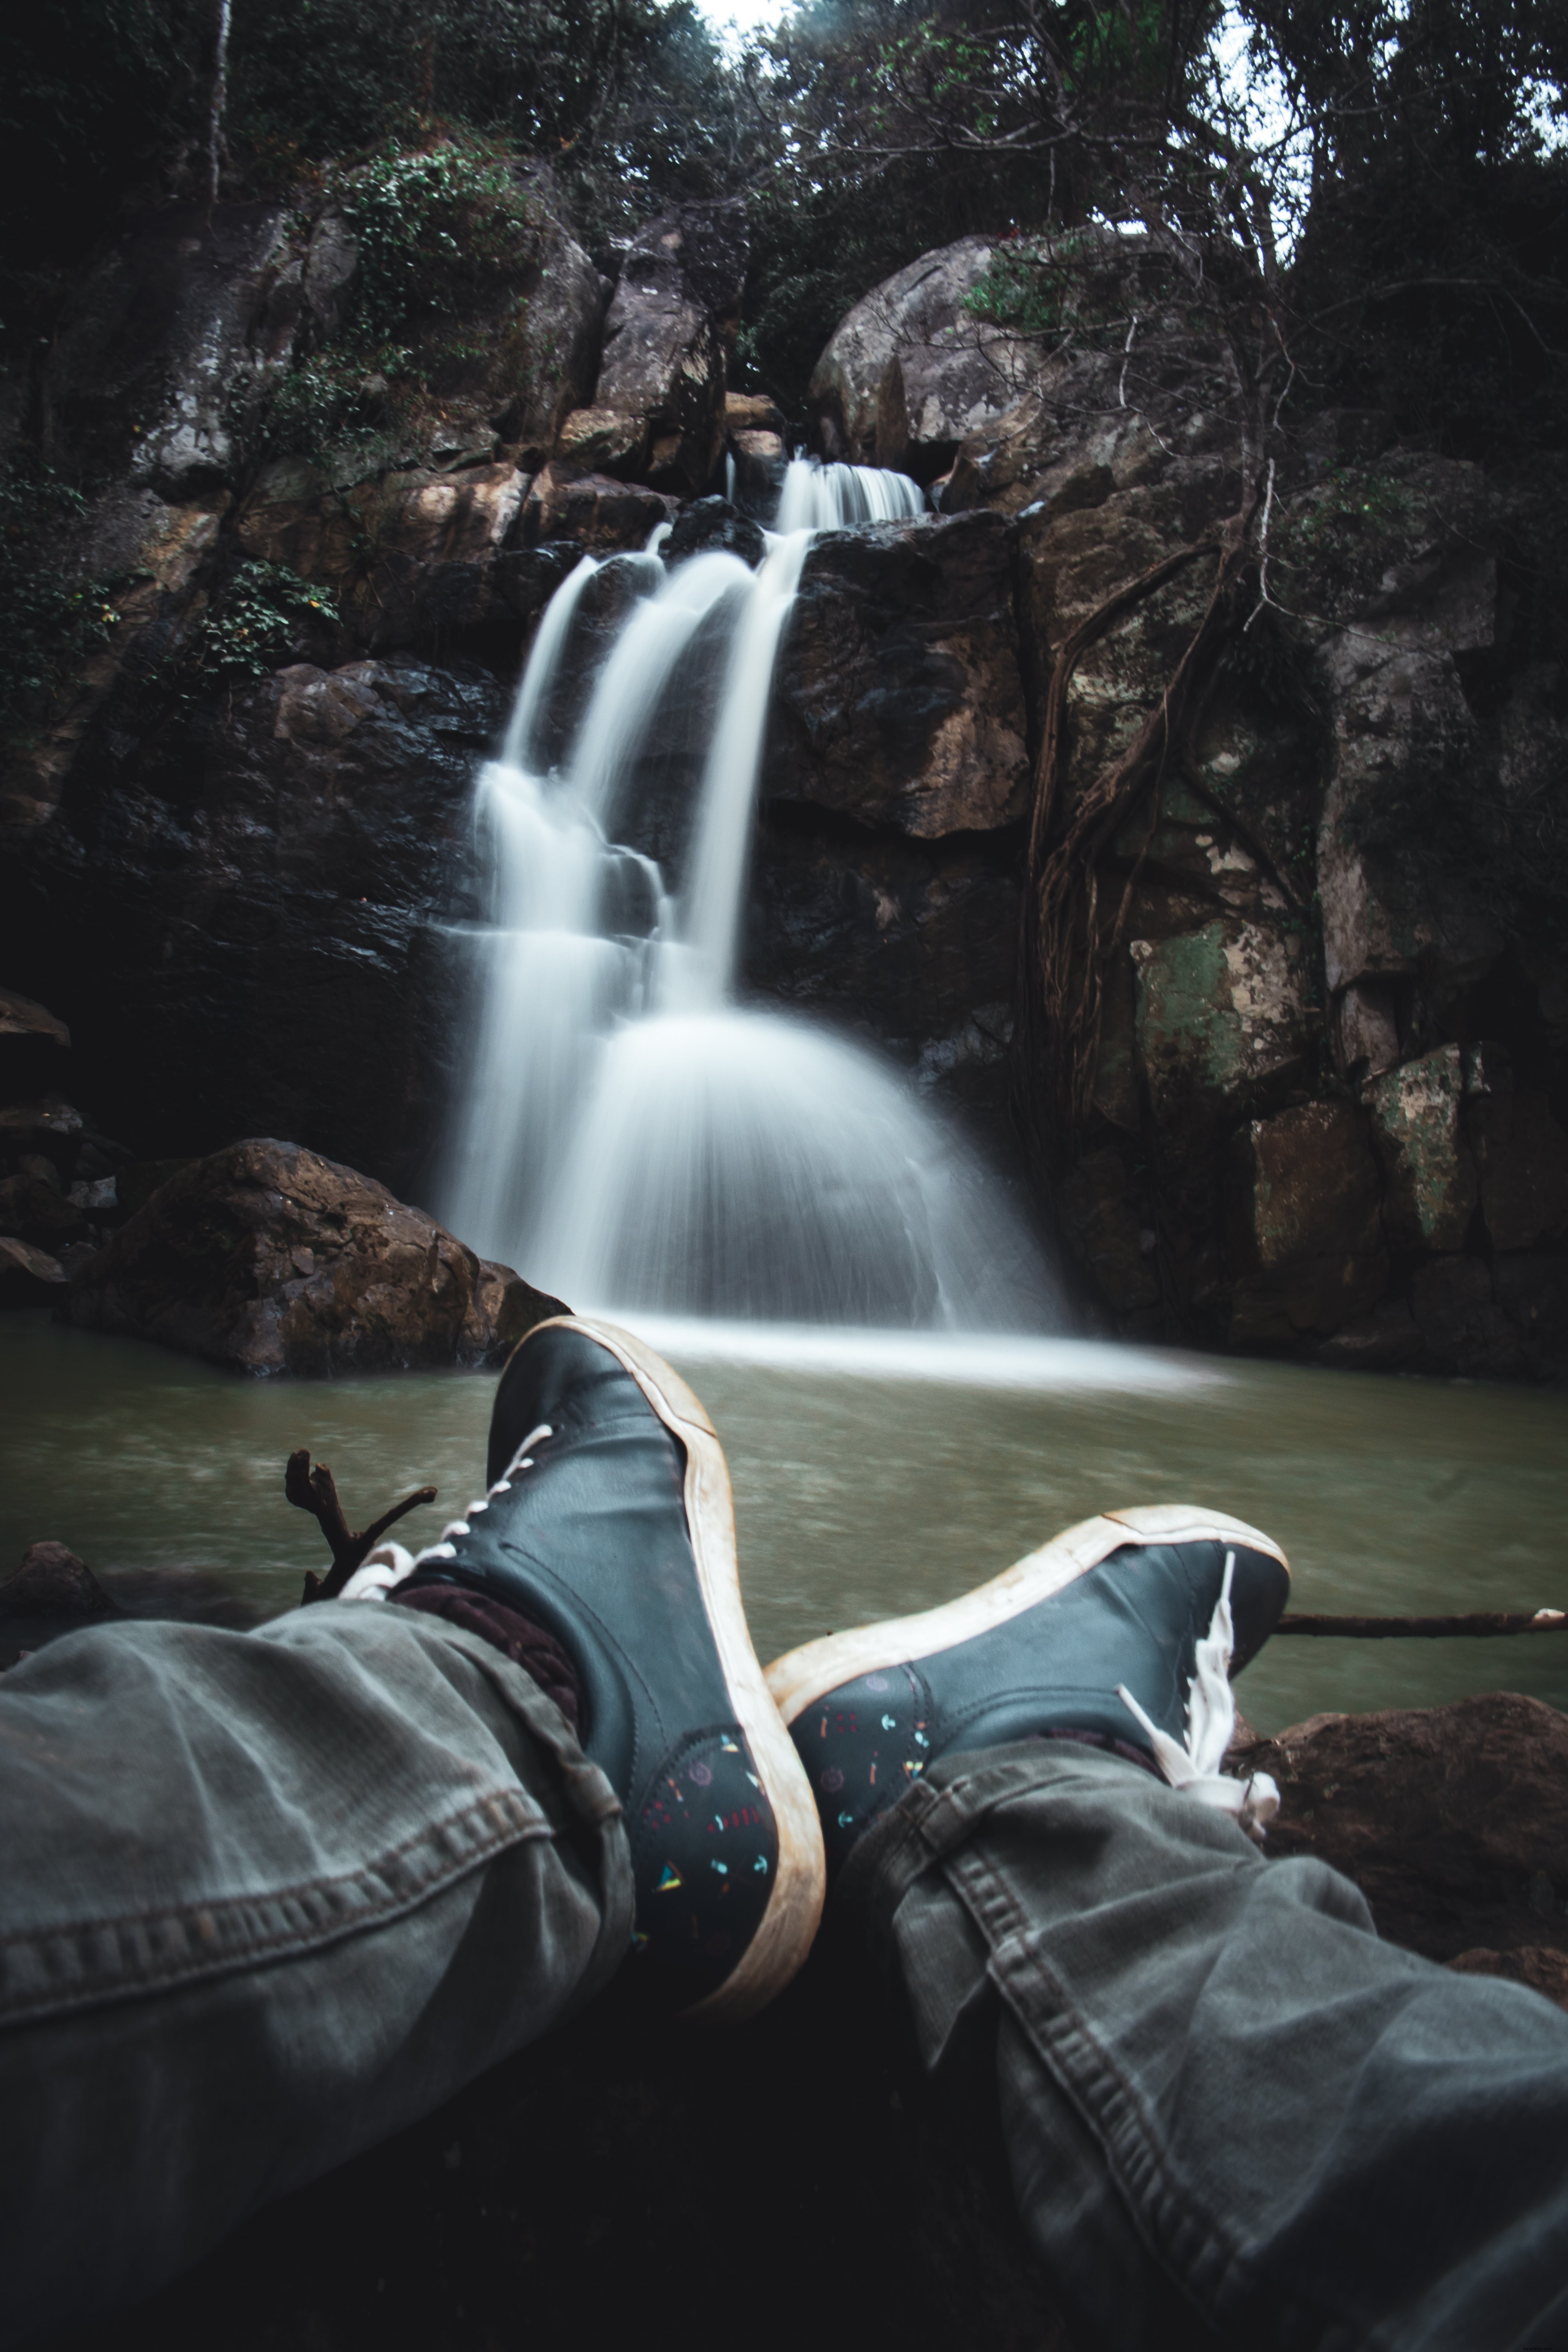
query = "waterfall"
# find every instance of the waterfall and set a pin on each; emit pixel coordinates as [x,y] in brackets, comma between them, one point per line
[831,498]
[630,1137]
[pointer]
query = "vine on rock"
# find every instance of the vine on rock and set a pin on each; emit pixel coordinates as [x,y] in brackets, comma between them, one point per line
[1070,930]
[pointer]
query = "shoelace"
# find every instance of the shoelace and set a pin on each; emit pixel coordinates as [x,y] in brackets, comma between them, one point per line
[382,1571]
[1194,1769]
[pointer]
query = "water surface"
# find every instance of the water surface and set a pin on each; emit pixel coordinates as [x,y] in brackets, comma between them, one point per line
[881,1476]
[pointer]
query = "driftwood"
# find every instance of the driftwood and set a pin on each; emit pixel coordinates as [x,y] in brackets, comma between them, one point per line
[1427,1629]
[314,1490]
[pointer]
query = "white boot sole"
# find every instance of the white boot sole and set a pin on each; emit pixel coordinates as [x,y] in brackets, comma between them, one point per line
[817,1667]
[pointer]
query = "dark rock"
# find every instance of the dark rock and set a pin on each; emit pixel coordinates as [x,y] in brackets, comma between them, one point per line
[33,1044]
[1428,1165]
[38,1212]
[53,1582]
[504,1310]
[1219,1011]
[1306,1241]
[137,1182]
[658,412]
[149,375]
[1533,1292]
[713,524]
[272,1260]
[897,699]
[28,1276]
[600,514]
[1446,1818]
[1104,1224]
[410,556]
[55,1593]
[246,911]
[1386,1340]
[1462,1328]
[1521,1153]
[906,937]
[754,431]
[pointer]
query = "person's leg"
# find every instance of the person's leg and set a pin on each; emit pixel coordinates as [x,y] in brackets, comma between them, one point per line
[265,1898]
[1230,2111]
[1231,2114]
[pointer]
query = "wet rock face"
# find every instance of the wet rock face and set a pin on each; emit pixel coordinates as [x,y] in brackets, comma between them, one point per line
[897,699]
[272,1260]
[249,906]
[711,525]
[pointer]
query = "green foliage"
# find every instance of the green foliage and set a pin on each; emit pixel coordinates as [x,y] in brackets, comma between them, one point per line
[1068,285]
[445,238]
[253,621]
[49,620]
[434,228]
[628,99]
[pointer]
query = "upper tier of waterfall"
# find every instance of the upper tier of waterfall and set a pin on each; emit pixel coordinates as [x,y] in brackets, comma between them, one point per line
[629,1136]
[833,498]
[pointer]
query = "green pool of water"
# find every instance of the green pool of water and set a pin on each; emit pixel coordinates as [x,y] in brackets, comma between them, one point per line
[860,1491]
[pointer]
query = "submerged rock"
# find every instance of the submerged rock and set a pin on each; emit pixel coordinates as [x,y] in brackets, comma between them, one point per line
[269,1259]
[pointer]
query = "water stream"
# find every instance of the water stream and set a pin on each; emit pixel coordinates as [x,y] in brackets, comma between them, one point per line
[874,1473]
[632,1136]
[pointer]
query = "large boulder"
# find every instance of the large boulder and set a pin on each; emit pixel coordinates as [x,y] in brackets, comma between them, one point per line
[1453,1821]
[897,699]
[601,515]
[911,370]
[271,1260]
[657,410]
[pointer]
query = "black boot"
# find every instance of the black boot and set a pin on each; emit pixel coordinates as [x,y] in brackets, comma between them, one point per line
[1123,1631]
[609,1524]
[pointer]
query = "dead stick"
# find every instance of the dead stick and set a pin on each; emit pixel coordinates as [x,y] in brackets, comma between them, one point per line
[315,1490]
[1385,1629]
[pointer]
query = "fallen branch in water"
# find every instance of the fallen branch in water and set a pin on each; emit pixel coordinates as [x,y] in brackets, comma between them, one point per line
[1385,1629]
[316,1491]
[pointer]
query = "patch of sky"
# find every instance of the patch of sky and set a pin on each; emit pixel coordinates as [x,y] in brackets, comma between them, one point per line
[737,21]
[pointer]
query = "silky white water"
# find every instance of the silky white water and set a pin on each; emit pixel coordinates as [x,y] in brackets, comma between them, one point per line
[630,1137]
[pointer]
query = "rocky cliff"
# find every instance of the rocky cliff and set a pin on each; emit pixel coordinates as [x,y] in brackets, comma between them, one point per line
[1314,969]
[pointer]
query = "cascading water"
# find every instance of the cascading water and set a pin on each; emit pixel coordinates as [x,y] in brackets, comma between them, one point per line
[632,1138]
[830,497]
